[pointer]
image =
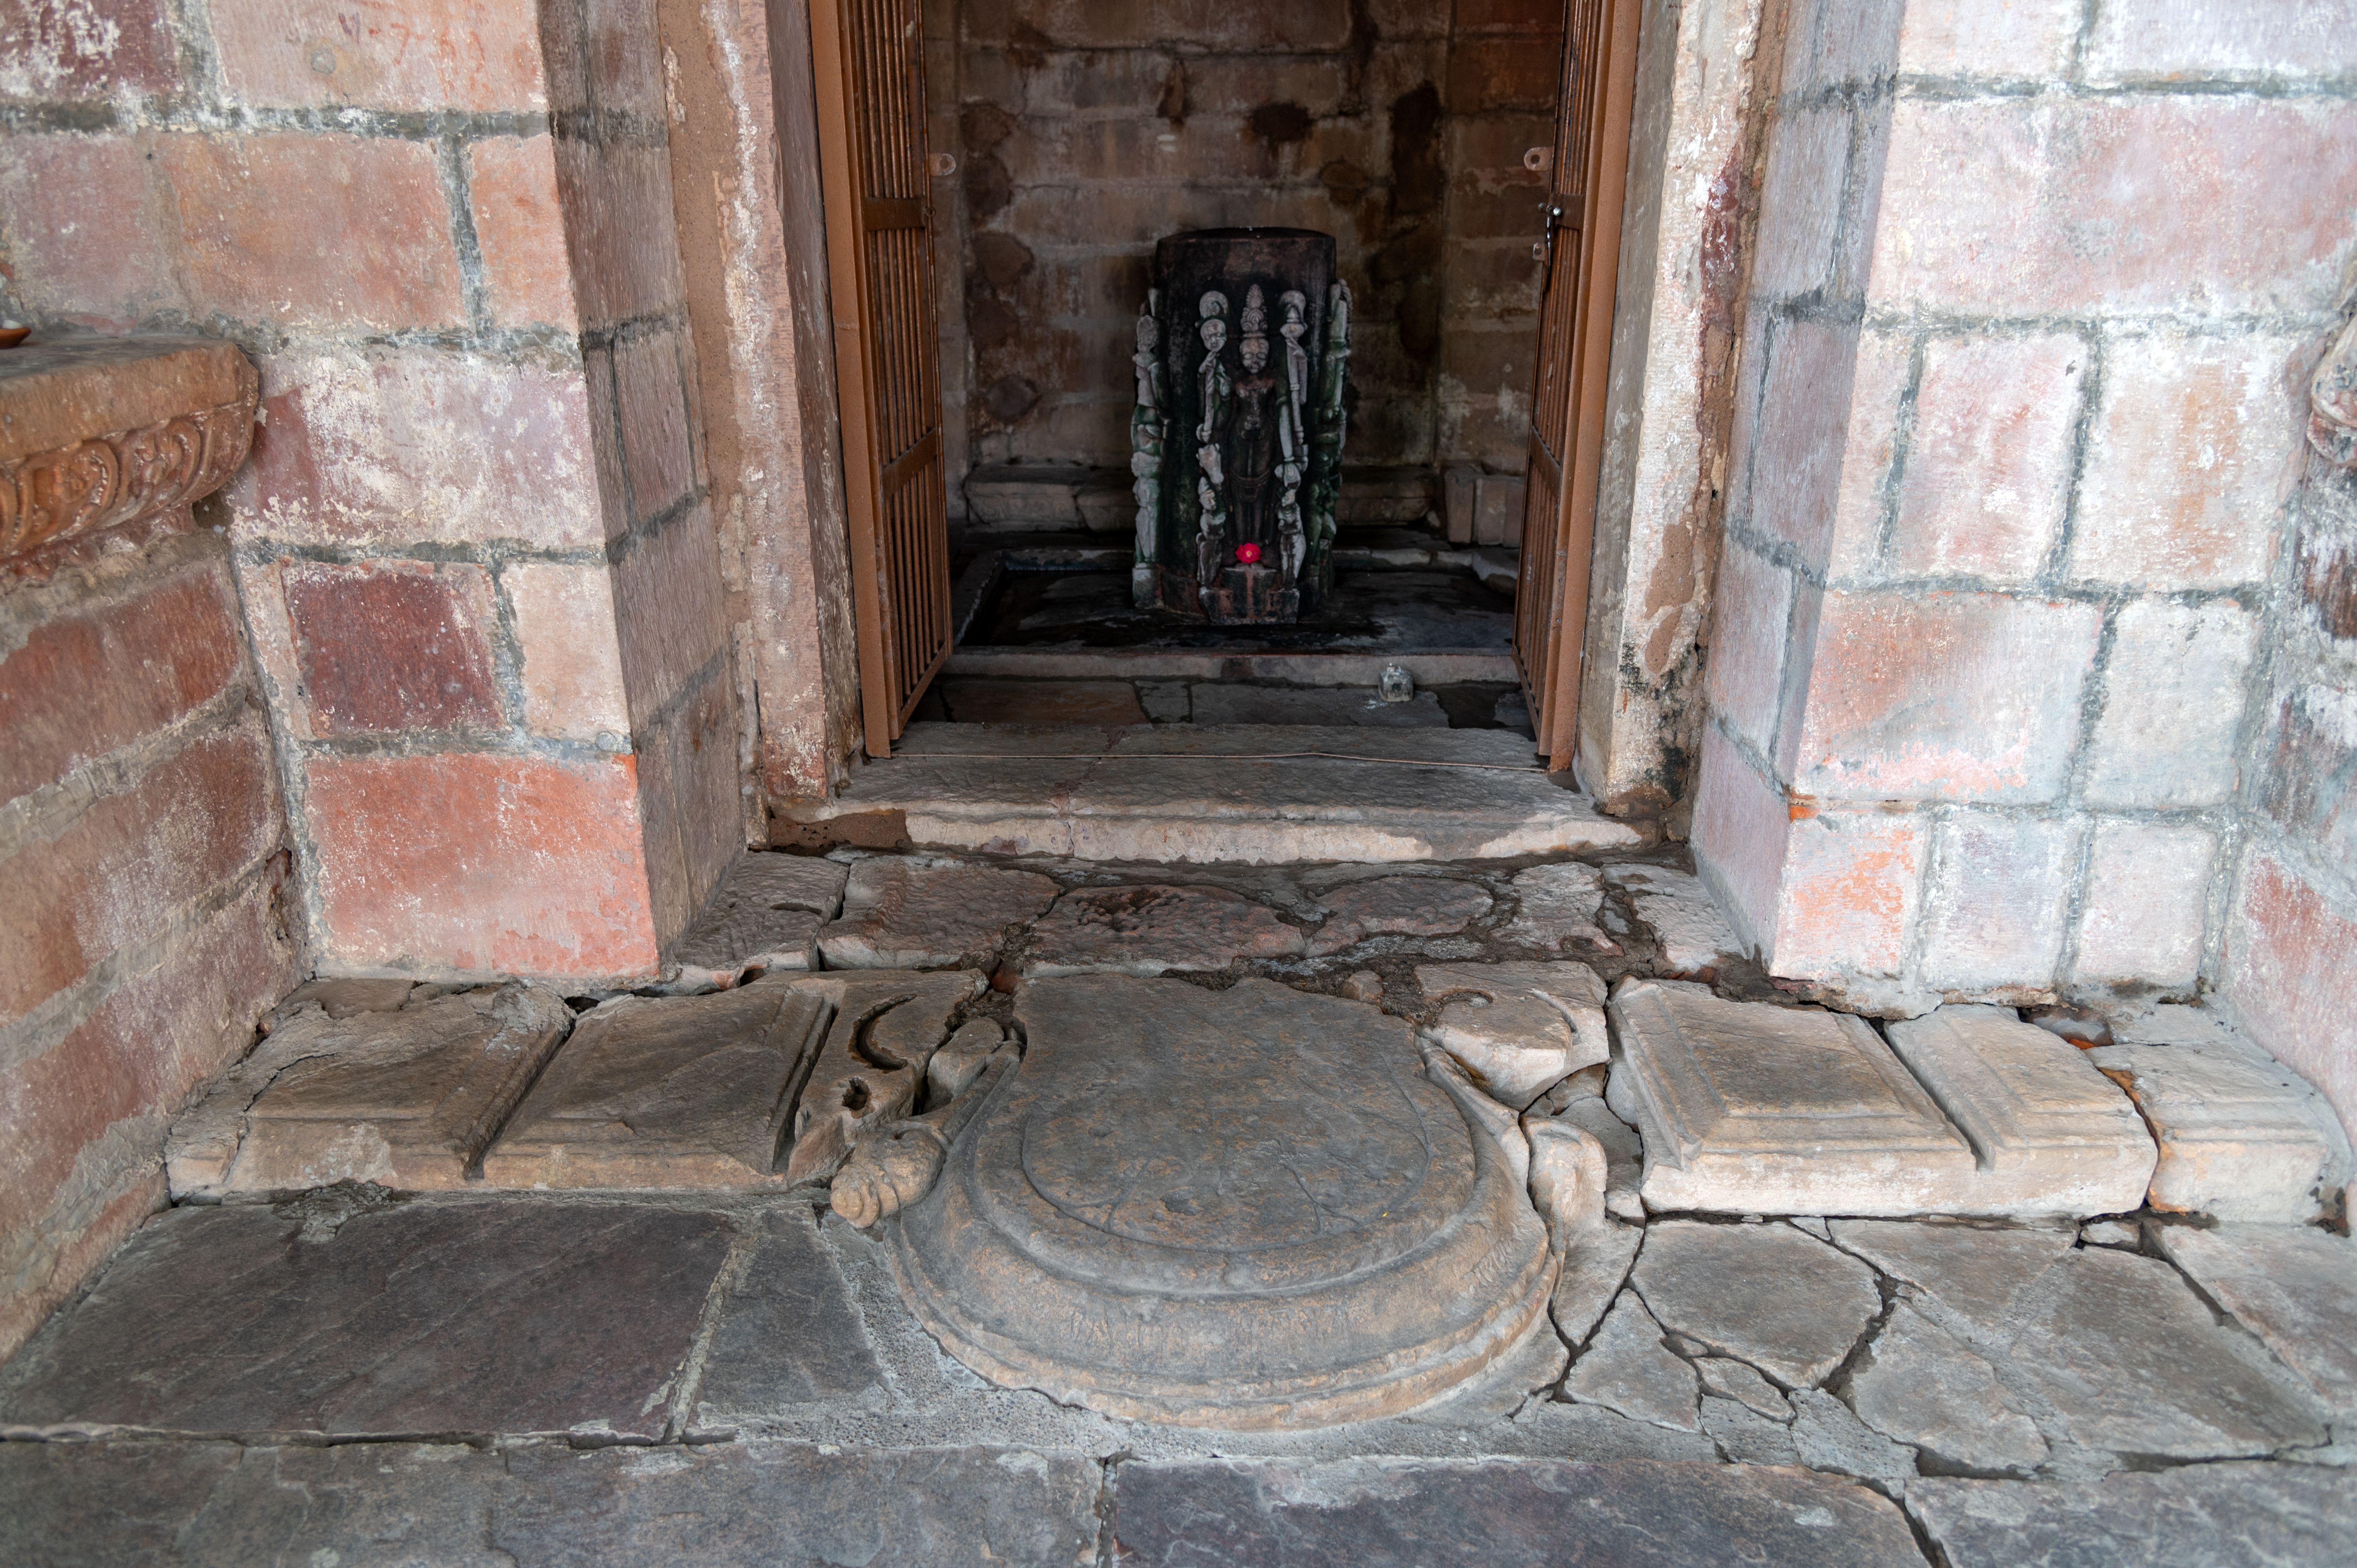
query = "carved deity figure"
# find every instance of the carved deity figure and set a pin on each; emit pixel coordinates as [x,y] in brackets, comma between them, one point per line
[1147,424]
[1210,483]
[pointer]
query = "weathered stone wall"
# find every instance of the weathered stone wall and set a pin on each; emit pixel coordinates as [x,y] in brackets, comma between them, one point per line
[143,851]
[1086,131]
[475,543]
[2035,297]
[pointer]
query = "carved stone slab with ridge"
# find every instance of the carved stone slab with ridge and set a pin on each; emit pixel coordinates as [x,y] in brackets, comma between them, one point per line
[1247,1208]
[1752,1109]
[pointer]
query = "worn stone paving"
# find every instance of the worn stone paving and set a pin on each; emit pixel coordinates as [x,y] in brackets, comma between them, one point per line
[729,1371]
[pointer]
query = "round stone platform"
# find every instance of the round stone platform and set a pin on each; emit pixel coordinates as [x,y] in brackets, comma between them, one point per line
[1244,1208]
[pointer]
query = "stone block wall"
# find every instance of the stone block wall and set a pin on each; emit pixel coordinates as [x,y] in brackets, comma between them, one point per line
[2034,299]
[142,846]
[475,545]
[1086,131]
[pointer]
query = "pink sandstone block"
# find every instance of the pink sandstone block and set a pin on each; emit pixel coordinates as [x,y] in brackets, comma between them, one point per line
[1747,653]
[1995,912]
[1739,830]
[1847,899]
[2145,904]
[2286,975]
[564,618]
[380,54]
[2173,703]
[1988,462]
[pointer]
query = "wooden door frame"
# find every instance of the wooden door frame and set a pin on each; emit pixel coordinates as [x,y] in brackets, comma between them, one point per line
[1554,700]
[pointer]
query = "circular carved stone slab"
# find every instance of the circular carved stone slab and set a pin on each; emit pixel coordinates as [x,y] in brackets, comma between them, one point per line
[1244,1208]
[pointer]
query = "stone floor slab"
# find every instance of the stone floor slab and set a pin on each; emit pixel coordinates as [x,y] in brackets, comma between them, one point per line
[2242,1137]
[1518,1028]
[1786,1303]
[423,1318]
[1971,1274]
[1593,1268]
[2294,1286]
[799,1504]
[788,1343]
[900,914]
[986,702]
[766,915]
[1751,1109]
[1827,1435]
[2204,1515]
[2049,1134]
[198,1505]
[1410,1514]
[1627,1367]
[1687,925]
[1403,906]
[2132,1361]
[406,1099]
[1151,930]
[1918,1384]
[1223,702]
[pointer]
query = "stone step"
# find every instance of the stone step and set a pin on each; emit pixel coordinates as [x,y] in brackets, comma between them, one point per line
[1245,794]
[1337,669]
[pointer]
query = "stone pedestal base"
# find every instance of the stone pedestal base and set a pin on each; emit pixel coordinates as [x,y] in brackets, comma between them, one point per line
[1246,593]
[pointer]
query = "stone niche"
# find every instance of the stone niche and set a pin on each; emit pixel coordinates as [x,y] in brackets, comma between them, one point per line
[1243,352]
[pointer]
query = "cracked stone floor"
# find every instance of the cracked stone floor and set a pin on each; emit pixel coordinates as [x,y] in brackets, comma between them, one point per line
[354,1374]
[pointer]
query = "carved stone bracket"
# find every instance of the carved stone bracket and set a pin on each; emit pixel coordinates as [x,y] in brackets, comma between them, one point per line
[108,434]
[2333,402]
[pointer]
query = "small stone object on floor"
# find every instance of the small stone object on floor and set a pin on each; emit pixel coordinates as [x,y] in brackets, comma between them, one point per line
[1624,1156]
[1555,905]
[1151,930]
[2079,1026]
[1748,1107]
[1786,1303]
[1687,925]
[2202,1515]
[2294,1286]
[1363,985]
[1917,1384]
[1404,906]
[1595,1266]
[1519,1028]
[385,1320]
[2242,1137]
[2049,1134]
[2133,1362]
[406,1099]
[1741,1382]
[960,1061]
[2124,1234]
[766,915]
[1568,1169]
[1628,1368]
[900,915]
[1588,1083]
[1226,703]
[1973,1273]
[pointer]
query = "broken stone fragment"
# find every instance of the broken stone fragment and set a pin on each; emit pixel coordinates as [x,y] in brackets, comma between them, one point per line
[1567,1174]
[406,1099]
[1154,931]
[1828,1435]
[1595,1265]
[1628,1368]
[1588,1083]
[766,915]
[900,915]
[1734,1379]
[1500,1122]
[1400,905]
[960,1061]
[2241,1136]
[2049,1134]
[1917,1384]
[1518,1028]
[343,998]
[1558,904]
[1692,933]
[1624,1156]
[1751,1109]
[1973,1273]
[1786,1303]
[1363,985]
[885,1031]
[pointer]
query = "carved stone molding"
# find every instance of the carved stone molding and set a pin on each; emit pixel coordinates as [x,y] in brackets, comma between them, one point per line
[2333,402]
[111,433]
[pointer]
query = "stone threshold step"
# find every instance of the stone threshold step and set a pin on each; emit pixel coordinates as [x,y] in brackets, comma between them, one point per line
[1244,794]
[1340,669]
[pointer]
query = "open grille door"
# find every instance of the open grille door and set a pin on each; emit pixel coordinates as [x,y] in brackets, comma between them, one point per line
[1588,171]
[868,60]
